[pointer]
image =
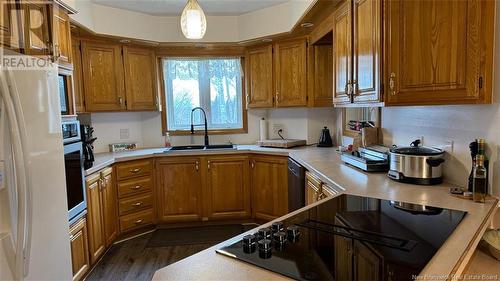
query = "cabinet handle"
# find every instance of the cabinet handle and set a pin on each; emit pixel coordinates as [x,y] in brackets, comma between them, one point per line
[136,170]
[57,52]
[248,101]
[71,237]
[136,187]
[120,100]
[101,184]
[197,165]
[390,275]
[138,204]
[252,164]
[392,83]
[139,221]
[355,87]
[208,166]
[277,98]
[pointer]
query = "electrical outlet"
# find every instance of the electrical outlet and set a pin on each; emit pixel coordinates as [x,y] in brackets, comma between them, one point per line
[276,128]
[124,134]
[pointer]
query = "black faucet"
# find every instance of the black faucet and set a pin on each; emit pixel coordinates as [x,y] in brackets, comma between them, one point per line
[205,117]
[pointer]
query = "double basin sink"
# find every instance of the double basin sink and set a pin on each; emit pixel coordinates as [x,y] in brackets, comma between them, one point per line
[202,147]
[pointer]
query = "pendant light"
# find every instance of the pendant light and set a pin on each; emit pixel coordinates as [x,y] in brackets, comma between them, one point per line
[193,21]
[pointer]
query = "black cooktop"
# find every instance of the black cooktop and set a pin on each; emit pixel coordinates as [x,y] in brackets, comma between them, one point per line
[350,238]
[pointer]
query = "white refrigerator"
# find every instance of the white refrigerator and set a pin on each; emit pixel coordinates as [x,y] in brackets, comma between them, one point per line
[34,234]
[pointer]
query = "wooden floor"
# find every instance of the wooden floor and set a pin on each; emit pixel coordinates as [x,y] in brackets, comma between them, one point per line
[132,260]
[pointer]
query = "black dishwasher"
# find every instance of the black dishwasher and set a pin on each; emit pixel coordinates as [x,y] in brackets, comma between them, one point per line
[296,185]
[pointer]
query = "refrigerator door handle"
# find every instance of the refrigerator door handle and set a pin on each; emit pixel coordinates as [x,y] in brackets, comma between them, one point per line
[16,118]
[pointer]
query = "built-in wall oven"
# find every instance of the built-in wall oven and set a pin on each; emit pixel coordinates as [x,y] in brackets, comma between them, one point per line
[73,160]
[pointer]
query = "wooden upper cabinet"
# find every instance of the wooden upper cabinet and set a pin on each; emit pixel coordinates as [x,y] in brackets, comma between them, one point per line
[36,28]
[179,189]
[367,25]
[320,71]
[260,77]
[290,66]
[103,77]
[140,78]
[439,52]
[97,243]
[228,187]
[77,75]
[342,53]
[62,37]
[109,205]
[9,25]
[269,180]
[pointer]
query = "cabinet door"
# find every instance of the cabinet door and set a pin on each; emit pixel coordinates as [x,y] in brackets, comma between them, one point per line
[290,63]
[434,52]
[37,37]
[109,206]
[140,79]
[367,265]
[79,249]
[342,53]
[343,258]
[367,50]
[103,77]
[62,36]
[9,25]
[77,75]
[313,188]
[321,91]
[228,187]
[180,189]
[260,77]
[269,178]
[97,243]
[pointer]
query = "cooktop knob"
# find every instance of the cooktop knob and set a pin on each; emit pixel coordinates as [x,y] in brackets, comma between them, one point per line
[264,245]
[277,226]
[264,233]
[293,231]
[249,240]
[279,237]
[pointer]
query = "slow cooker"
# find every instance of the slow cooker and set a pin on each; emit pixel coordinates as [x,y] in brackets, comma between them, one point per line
[416,164]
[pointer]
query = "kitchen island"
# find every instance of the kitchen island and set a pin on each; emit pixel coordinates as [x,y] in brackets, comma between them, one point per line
[325,163]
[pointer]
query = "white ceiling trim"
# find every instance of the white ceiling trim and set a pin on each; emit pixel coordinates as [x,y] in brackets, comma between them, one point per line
[120,22]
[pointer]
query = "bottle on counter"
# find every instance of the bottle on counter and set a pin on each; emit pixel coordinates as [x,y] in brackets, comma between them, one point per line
[168,142]
[481,150]
[473,154]
[479,180]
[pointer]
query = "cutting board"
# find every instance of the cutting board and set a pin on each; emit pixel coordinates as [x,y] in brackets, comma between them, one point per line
[279,143]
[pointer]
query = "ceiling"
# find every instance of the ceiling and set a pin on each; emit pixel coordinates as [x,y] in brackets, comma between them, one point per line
[175,7]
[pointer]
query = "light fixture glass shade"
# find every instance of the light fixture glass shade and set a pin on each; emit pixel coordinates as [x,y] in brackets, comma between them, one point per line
[193,21]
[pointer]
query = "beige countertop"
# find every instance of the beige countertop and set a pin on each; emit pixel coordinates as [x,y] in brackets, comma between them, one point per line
[451,258]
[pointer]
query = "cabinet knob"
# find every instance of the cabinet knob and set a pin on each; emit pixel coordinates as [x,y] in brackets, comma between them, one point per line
[136,187]
[197,165]
[392,83]
[208,165]
[139,221]
[138,204]
[136,170]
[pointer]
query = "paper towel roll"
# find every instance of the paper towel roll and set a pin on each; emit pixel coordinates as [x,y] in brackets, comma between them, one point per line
[263,129]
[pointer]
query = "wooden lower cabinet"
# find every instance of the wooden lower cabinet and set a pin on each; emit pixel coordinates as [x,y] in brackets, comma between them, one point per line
[313,189]
[79,249]
[228,187]
[97,241]
[179,189]
[109,206]
[269,180]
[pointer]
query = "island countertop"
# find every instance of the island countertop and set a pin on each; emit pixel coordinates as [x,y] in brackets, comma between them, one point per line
[449,261]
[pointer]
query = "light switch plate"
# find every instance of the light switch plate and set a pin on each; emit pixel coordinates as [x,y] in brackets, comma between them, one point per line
[2,174]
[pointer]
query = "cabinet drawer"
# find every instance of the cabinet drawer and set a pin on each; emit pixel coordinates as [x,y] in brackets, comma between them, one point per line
[136,220]
[133,169]
[135,203]
[134,186]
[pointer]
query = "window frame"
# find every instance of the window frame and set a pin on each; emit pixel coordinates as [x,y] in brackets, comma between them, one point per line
[198,131]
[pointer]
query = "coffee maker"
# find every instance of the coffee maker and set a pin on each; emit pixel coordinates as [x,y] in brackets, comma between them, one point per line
[88,147]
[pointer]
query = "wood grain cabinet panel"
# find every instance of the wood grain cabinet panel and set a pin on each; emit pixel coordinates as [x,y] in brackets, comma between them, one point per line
[179,189]
[61,36]
[79,249]
[77,75]
[342,53]
[260,77]
[109,205]
[134,186]
[290,64]
[37,36]
[95,224]
[140,78]
[320,89]
[9,25]
[269,179]
[367,265]
[134,169]
[136,220]
[438,52]
[103,77]
[228,187]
